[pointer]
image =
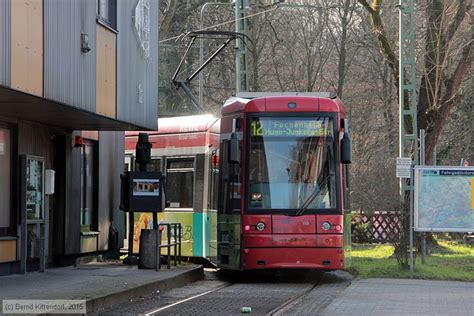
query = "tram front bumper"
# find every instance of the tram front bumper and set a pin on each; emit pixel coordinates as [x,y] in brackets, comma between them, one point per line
[293,258]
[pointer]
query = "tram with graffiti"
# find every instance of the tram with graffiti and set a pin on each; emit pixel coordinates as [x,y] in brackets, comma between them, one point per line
[284,187]
[185,150]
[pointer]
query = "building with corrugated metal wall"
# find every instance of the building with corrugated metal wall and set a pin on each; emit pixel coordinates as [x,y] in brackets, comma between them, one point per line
[73,76]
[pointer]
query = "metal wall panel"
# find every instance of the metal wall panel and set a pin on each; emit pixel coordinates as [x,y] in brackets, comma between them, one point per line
[137,75]
[111,165]
[5,42]
[72,197]
[69,74]
[27,46]
[106,86]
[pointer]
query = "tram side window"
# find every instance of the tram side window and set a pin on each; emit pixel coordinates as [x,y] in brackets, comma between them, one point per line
[180,182]
[230,183]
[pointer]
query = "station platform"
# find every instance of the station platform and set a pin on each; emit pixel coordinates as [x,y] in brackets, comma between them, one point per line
[100,284]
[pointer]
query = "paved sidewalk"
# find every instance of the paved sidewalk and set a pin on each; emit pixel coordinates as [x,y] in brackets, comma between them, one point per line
[403,297]
[101,284]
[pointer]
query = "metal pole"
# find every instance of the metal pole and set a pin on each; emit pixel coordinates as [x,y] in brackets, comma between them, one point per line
[201,57]
[408,130]
[411,222]
[130,234]
[157,245]
[201,48]
[423,162]
[168,235]
[179,247]
[175,243]
[155,220]
[241,80]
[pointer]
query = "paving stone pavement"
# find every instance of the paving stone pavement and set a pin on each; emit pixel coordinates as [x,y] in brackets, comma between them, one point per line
[98,283]
[403,297]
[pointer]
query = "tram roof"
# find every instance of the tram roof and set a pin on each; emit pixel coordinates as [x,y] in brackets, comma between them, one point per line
[278,101]
[184,124]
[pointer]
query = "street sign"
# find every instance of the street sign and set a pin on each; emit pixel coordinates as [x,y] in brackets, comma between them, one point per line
[403,167]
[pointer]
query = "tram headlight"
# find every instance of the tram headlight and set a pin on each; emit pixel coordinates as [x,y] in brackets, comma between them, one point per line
[326,226]
[260,226]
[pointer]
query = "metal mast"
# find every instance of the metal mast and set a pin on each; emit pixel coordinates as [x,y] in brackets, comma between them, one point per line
[408,113]
[408,130]
[241,78]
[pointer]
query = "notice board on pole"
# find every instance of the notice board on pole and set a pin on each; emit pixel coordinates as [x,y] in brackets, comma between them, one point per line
[444,199]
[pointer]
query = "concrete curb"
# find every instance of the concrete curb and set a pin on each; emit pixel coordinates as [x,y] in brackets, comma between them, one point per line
[98,303]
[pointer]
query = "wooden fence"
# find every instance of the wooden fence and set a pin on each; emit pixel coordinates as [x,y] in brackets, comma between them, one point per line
[375,227]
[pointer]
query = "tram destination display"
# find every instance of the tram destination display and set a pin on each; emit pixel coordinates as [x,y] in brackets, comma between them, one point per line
[290,127]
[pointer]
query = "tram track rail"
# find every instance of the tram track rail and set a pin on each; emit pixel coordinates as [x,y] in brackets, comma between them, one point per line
[162,308]
[298,292]
[279,310]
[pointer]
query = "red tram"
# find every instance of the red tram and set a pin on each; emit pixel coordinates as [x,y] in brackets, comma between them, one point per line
[284,187]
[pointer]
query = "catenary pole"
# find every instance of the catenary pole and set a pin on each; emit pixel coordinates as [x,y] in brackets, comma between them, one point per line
[408,130]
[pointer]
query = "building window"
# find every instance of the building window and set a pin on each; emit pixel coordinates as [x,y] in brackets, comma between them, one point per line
[180,182]
[89,179]
[5,181]
[107,12]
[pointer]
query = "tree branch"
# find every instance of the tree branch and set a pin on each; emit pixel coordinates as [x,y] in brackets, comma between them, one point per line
[381,35]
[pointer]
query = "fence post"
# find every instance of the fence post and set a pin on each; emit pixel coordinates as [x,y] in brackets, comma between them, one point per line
[175,242]
[168,234]
[179,245]
[158,248]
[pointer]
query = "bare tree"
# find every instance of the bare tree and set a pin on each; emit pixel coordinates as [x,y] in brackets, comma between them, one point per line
[447,60]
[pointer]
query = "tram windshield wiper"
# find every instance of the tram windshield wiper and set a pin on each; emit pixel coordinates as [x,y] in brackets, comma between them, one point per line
[310,198]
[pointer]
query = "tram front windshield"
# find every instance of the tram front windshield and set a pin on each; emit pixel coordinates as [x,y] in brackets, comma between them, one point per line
[291,163]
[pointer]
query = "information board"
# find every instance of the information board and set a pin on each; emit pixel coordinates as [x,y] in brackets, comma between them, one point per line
[444,199]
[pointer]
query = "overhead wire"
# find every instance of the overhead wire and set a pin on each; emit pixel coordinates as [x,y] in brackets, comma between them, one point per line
[183,35]
[257,14]
[220,24]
